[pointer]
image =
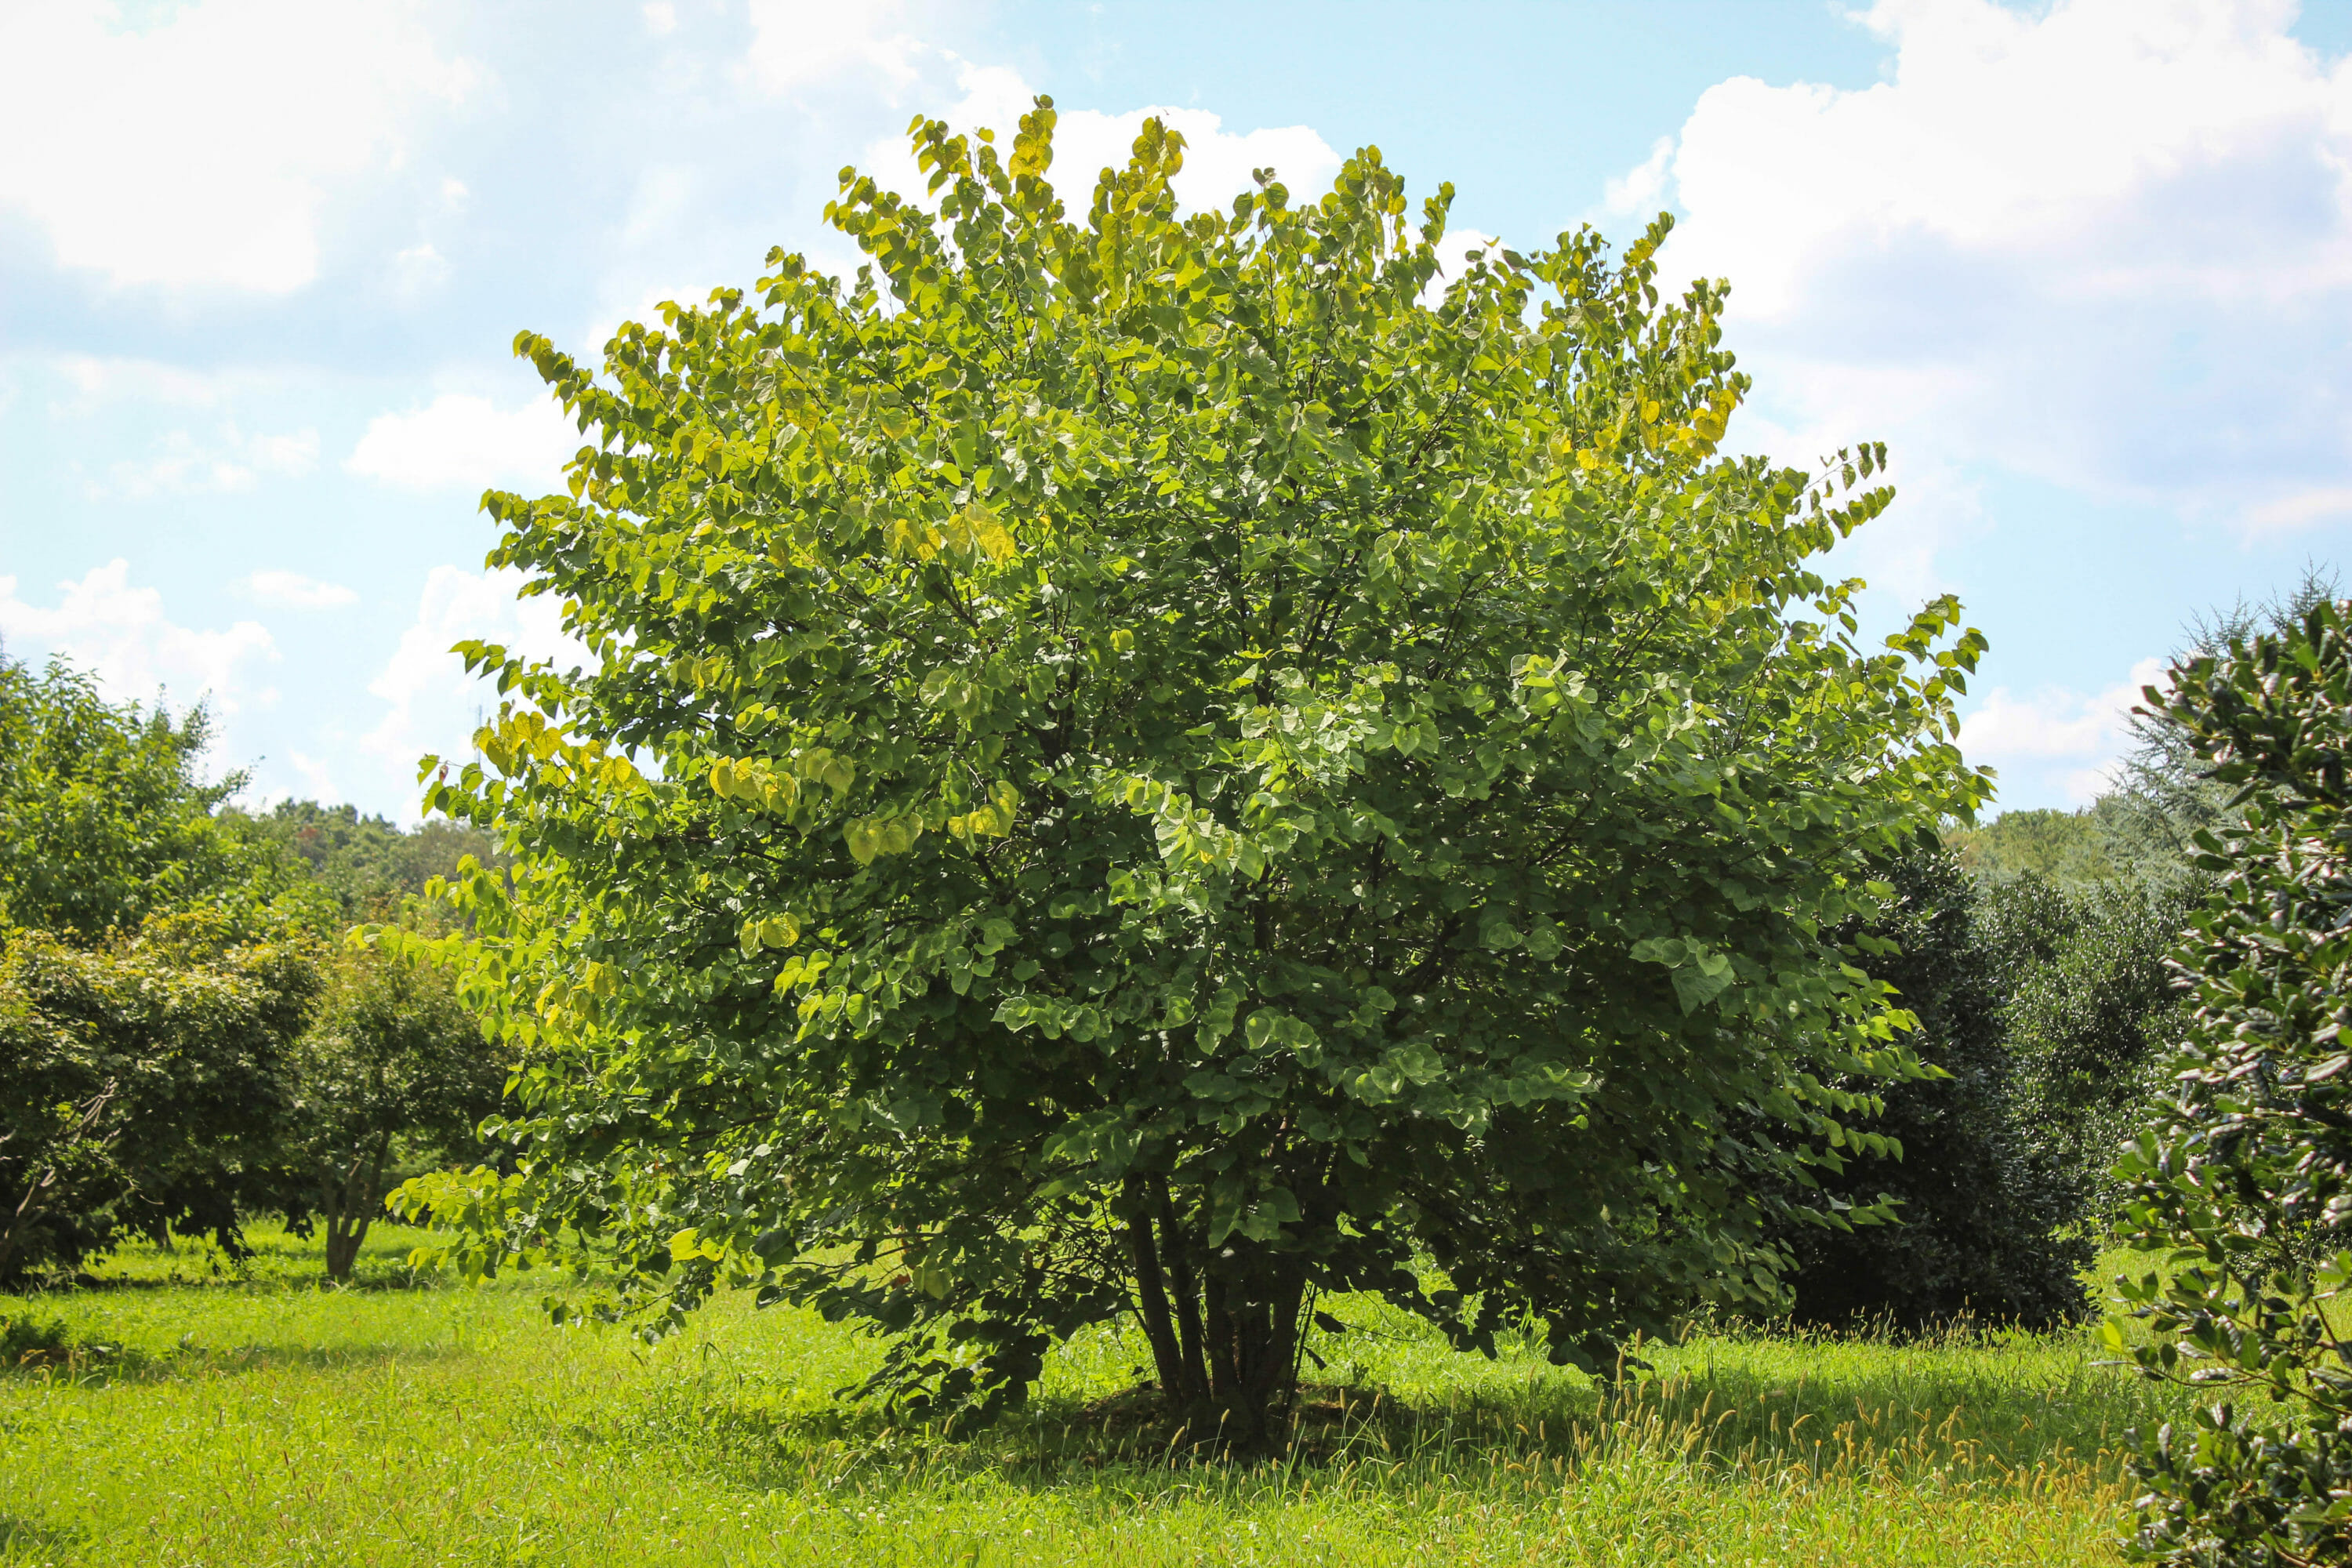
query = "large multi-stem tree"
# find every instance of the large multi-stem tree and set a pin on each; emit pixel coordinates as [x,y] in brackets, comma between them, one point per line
[1160,764]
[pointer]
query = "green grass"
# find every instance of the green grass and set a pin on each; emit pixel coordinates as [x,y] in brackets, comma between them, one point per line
[186,1412]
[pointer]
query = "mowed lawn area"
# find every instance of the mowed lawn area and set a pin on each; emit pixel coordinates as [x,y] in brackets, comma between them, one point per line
[250,1416]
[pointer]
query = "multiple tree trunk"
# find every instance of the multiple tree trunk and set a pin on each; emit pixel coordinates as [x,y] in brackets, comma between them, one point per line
[1223,1327]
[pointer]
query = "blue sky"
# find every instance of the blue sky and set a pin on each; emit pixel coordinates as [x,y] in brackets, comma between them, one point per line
[2087,266]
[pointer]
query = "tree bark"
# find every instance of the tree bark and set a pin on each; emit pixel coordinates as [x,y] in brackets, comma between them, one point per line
[1151,1307]
[1187,1288]
[351,1208]
[1223,1330]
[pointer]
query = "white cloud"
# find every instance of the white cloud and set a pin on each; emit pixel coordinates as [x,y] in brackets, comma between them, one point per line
[461,441]
[2302,507]
[1641,191]
[661,18]
[97,382]
[316,775]
[434,705]
[418,269]
[1218,163]
[2102,243]
[293,591]
[800,44]
[200,152]
[294,454]
[181,465]
[2054,725]
[122,635]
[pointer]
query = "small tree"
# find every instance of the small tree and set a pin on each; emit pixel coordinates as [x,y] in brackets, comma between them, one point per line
[2247,1177]
[392,1077]
[1187,762]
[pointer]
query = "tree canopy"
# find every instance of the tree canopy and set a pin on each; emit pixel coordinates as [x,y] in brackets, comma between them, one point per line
[102,818]
[1157,764]
[368,865]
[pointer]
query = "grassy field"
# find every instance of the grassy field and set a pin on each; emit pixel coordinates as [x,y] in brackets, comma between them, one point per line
[251,1417]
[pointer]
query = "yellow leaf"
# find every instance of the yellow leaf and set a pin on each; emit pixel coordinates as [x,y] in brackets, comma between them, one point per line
[994,539]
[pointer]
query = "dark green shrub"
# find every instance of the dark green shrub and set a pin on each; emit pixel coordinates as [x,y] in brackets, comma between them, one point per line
[1979,1218]
[2091,1009]
[2247,1174]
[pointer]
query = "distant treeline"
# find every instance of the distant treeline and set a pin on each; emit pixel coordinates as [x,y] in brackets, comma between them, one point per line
[368,863]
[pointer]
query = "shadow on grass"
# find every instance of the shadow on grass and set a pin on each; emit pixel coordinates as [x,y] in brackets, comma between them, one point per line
[1980,1410]
[264,1274]
[91,1362]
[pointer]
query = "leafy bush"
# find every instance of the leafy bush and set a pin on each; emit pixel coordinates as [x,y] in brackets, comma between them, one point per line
[140,1083]
[2247,1175]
